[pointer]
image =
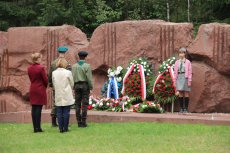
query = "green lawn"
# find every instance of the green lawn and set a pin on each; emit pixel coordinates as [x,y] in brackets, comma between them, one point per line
[116,138]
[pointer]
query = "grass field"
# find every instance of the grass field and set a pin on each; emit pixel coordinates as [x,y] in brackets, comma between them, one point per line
[116,138]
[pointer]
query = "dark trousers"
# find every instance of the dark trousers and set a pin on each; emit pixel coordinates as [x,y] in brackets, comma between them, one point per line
[63,113]
[81,100]
[53,111]
[36,116]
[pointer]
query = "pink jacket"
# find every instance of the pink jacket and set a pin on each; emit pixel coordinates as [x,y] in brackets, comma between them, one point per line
[188,71]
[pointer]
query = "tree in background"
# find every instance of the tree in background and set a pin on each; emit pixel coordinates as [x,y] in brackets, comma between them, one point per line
[88,14]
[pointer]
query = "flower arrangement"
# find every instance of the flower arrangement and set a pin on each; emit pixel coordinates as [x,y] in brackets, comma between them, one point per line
[164,90]
[107,104]
[167,64]
[133,82]
[148,107]
[124,104]
[117,73]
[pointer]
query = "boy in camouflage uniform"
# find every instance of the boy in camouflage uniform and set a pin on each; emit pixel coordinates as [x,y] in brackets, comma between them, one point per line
[82,75]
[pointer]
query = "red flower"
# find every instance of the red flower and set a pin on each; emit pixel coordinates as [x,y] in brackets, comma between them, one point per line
[89,107]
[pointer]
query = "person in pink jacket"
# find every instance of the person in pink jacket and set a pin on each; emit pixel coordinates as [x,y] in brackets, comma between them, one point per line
[183,79]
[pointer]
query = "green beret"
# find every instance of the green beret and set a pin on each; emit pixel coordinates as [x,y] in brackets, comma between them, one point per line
[82,54]
[62,49]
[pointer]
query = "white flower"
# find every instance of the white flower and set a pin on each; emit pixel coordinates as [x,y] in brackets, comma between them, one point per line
[107,104]
[90,101]
[117,72]
[145,63]
[164,67]
[119,68]
[147,74]
[93,105]
[100,104]
[119,79]
[109,70]
[113,109]
[168,67]
[111,74]
[125,103]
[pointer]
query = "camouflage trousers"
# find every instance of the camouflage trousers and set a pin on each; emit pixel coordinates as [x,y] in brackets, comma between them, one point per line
[53,109]
[81,100]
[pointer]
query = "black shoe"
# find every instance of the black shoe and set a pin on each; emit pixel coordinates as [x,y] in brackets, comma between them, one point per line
[35,131]
[40,130]
[181,110]
[84,125]
[66,130]
[61,131]
[54,122]
[79,124]
[185,110]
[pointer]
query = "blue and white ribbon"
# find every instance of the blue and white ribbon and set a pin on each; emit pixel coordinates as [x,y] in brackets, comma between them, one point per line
[112,90]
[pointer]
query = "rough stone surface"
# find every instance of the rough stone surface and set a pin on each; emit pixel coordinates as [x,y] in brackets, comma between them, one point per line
[114,44]
[3,41]
[211,69]
[210,90]
[22,42]
[212,45]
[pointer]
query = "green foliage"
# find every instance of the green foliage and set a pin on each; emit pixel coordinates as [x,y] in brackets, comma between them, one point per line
[88,14]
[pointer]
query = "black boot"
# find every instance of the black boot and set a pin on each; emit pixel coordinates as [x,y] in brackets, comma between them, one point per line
[84,123]
[78,117]
[54,122]
[186,104]
[181,101]
[79,124]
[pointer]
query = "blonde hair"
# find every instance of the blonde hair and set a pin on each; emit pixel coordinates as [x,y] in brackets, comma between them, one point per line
[35,57]
[62,63]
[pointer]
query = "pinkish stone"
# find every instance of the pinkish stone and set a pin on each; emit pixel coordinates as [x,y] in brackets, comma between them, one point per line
[114,44]
[212,46]
[22,42]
